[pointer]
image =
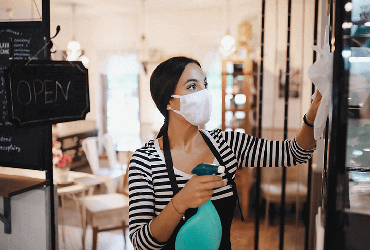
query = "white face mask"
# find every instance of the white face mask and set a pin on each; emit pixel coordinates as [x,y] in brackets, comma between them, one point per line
[196,107]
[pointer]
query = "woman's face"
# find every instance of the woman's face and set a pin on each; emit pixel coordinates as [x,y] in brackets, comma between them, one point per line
[191,81]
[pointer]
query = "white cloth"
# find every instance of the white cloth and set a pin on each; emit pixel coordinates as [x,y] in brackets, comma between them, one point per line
[321,74]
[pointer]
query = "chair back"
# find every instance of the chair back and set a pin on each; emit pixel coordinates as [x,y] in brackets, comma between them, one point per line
[110,150]
[90,147]
[127,158]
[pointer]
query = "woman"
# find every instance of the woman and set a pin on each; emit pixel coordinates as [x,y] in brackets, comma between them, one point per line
[163,192]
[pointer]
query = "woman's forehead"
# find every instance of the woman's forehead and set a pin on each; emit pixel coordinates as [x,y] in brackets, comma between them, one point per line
[192,71]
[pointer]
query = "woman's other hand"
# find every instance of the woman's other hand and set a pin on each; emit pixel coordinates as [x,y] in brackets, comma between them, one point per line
[311,114]
[197,191]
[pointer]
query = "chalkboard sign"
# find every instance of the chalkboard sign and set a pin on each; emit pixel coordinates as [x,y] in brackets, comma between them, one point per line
[21,147]
[48,91]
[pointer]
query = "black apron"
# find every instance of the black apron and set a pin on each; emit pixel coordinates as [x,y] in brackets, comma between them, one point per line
[225,206]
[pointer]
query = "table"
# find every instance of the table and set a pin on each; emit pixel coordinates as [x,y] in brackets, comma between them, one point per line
[79,184]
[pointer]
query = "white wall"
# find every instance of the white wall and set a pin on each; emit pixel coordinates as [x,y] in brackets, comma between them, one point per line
[30,221]
[190,32]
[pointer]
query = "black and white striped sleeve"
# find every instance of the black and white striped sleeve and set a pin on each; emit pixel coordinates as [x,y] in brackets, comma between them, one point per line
[255,152]
[141,202]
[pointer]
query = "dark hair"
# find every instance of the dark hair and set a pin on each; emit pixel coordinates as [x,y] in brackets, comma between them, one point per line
[163,82]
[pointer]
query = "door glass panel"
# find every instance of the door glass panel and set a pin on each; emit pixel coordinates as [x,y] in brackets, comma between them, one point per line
[356,55]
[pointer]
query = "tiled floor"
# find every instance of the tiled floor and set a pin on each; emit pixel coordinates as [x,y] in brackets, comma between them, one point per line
[242,233]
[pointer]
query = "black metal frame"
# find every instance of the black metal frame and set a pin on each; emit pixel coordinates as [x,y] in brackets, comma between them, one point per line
[286,105]
[335,219]
[49,157]
[48,166]
[309,179]
[258,176]
[6,218]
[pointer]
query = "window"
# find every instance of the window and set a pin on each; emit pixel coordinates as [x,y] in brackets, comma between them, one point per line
[215,87]
[123,121]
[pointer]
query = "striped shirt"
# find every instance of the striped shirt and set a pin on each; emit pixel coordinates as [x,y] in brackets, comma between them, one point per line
[149,183]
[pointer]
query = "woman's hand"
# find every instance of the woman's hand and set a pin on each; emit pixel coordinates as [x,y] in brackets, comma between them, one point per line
[305,136]
[197,191]
[311,114]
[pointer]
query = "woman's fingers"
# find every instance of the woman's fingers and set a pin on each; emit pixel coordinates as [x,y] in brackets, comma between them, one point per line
[208,178]
[210,182]
[199,189]
[214,184]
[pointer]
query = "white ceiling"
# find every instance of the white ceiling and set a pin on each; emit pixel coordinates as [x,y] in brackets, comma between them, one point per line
[25,9]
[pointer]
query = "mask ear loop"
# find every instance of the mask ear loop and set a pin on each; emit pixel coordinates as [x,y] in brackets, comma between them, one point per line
[176,111]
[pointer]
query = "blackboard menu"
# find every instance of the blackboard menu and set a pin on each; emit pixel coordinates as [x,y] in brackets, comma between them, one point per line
[20,147]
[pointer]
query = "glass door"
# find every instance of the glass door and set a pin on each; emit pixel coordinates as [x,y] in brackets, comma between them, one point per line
[348,196]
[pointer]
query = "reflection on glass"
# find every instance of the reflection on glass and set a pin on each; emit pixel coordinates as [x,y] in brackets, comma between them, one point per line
[356,55]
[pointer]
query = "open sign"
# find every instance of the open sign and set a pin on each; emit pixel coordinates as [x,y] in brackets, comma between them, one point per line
[48,91]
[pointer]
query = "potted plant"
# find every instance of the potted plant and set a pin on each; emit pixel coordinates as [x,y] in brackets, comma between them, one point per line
[61,162]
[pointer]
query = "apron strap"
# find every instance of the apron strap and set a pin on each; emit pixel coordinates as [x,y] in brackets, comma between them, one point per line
[221,162]
[169,164]
[171,173]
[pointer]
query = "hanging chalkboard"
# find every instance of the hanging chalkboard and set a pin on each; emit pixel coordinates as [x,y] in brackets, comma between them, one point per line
[47,91]
[20,147]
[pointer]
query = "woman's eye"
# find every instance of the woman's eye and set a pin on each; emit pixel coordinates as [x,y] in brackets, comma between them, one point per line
[192,86]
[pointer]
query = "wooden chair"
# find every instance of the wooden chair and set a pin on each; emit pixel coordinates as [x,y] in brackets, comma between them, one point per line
[125,157]
[111,175]
[107,212]
[104,212]
[295,192]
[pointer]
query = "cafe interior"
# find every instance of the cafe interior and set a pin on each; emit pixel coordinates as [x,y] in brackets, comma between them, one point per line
[244,52]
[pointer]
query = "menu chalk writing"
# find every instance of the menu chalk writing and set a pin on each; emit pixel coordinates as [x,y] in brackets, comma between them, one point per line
[18,41]
[20,147]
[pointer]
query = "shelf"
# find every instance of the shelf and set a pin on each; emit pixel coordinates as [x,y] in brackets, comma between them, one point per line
[235,110]
[14,184]
[242,81]
[11,185]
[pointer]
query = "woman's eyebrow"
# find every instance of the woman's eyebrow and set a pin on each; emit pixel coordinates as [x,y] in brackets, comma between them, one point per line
[191,80]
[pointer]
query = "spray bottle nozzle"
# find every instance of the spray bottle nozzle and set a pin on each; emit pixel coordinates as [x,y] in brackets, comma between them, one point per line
[208,169]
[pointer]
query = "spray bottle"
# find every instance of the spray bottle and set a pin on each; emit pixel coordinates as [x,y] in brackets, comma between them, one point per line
[203,230]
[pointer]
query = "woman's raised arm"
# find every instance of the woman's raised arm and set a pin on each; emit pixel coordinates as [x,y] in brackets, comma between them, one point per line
[305,136]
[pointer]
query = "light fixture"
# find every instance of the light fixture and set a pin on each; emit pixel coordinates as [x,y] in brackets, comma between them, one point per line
[227,42]
[74,48]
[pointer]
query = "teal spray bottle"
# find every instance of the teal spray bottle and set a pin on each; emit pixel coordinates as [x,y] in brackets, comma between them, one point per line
[203,230]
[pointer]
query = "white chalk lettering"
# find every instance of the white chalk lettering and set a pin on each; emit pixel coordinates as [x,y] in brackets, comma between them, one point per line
[4,51]
[4,45]
[48,92]
[5,139]
[34,88]
[60,86]
[22,40]
[9,148]
[29,91]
